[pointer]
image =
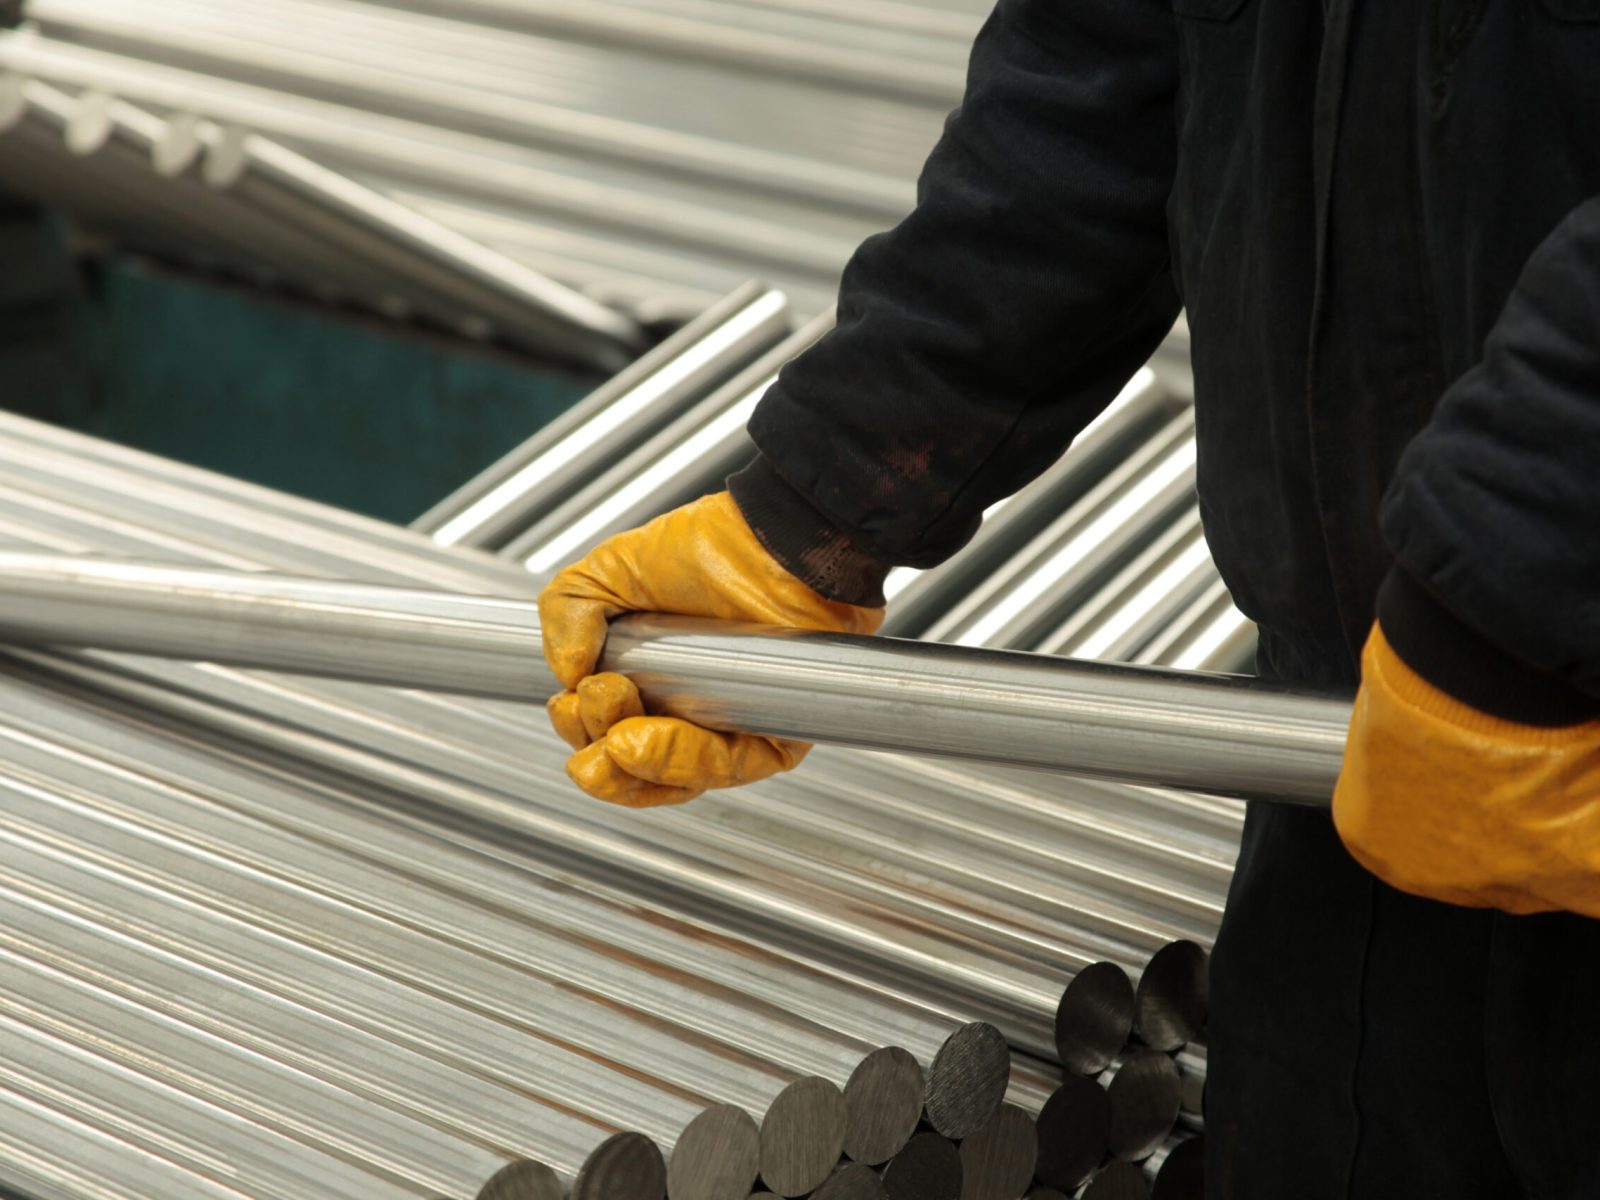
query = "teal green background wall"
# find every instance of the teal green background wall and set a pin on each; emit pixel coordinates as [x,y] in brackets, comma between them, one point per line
[381,418]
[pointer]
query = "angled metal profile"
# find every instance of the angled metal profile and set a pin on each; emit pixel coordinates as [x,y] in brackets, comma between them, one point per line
[283,214]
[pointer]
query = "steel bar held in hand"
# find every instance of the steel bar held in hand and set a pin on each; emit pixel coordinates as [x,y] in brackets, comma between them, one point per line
[1218,734]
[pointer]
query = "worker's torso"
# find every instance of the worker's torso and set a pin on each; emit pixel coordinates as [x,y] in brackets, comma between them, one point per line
[1355,197]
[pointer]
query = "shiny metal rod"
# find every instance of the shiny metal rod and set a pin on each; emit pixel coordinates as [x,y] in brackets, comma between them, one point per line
[501,501]
[687,459]
[1230,737]
[919,598]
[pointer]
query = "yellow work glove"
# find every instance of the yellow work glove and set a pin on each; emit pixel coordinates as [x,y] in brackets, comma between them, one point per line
[699,560]
[1444,801]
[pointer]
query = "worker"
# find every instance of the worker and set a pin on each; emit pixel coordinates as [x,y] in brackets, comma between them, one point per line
[1382,218]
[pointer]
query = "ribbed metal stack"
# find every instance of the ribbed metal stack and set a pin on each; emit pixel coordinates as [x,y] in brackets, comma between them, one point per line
[249,206]
[652,154]
[655,154]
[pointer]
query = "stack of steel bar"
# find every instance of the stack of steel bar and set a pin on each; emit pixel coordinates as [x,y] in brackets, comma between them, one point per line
[199,194]
[412,873]
[901,908]
[255,903]
[275,937]
[663,389]
[1102,557]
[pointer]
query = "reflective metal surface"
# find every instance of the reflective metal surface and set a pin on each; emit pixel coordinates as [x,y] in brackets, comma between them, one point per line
[1221,735]
[689,458]
[529,480]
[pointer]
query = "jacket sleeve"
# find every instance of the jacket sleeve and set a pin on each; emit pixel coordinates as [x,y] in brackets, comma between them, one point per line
[976,338]
[1494,515]
[1472,768]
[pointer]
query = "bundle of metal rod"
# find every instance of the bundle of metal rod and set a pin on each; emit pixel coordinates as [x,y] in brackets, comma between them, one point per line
[935,960]
[1132,610]
[194,882]
[940,963]
[164,859]
[1042,895]
[804,1146]
[269,211]
[1045,1004]
[579,161]
[524,484]
[816,888]
[1123,1092]
[688,458]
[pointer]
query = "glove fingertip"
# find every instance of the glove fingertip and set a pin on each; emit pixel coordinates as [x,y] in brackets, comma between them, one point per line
[566,719]
[658,795]
[595,774]
[572,634]
[570,666]
[647,746]
[598,775]
[606,699]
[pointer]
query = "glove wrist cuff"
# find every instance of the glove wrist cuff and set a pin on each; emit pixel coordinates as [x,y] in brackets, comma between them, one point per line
[1459,661]
[806,543]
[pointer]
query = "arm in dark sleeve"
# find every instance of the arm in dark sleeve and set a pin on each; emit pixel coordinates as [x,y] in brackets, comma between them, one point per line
[977,338]
[1494,515]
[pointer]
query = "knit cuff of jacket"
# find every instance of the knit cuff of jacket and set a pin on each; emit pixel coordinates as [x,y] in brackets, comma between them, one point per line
[1461,662]
[809,546]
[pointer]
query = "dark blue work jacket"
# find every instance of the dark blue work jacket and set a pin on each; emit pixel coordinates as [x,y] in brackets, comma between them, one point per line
[1382,221]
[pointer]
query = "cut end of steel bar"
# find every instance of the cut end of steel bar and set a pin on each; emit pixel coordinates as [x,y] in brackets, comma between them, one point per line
[929,1168]
[853,1181]
[626,1166]
[1094,1018]
[998,1161]
[967,1080]
[802,1136]
[883,1102]
[1118,1181]
[1145,1097]
[1183,1175]
[1170,1006]
[522,1180]
[1192,1072]
[1074,1130]
[717,1156]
